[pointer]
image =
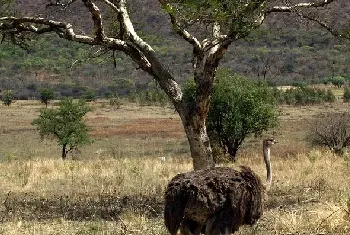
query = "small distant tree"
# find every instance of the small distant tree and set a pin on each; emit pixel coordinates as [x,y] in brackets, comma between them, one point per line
[66,124]
[326,81]
[329,96]
[346,95]
[7,97]
[46,94]
[338,81]
[90,95]
[331,130]
[115,101]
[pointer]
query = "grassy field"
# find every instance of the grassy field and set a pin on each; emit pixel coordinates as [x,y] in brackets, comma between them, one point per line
[116,184]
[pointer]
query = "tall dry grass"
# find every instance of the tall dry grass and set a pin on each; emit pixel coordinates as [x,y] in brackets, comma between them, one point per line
[310,195]
[116,185]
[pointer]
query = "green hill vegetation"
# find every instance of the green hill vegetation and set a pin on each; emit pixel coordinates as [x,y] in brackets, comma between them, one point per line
[284,51]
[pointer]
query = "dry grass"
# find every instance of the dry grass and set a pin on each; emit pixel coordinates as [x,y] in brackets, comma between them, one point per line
[115,185]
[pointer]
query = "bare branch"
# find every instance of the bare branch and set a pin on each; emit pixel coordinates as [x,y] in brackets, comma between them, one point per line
[16,26]
[96,17]
[155,67]
[177,27]
[322,24]
[127,41]
[13,25]
[294,7]
[127,25]
[112,5]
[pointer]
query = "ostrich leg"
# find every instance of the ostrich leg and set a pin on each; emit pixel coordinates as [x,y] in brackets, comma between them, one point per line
[190,227]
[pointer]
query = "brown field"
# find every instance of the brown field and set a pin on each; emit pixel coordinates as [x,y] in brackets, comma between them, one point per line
[115,185]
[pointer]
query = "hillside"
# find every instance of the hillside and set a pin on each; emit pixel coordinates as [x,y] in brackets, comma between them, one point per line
[284,50]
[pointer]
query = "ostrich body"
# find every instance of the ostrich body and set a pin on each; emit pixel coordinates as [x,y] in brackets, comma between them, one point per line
[217,200]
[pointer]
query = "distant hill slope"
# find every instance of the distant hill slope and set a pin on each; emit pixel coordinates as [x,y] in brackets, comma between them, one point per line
[284,50]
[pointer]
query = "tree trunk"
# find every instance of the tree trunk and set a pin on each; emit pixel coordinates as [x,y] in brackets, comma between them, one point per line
[198,140]
[205,63]
[64,152]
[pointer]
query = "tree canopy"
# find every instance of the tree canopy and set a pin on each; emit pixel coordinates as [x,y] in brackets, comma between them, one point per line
[65,124]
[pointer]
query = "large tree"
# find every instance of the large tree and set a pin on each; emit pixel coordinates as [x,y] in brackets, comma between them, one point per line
[209,26]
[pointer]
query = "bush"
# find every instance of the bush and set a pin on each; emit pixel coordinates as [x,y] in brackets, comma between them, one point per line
[338,81]
[306,96]
[331,130]
[153,96]
[46,94]
[238,108]
[346,95]
[7,97]
[330,97]
[115,101]
[90,95]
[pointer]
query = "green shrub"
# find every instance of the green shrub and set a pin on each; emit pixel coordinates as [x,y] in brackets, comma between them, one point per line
[90,95]
[307,96]
[346,95]
[115,101]
[238,108]
[7,97]
[46,94]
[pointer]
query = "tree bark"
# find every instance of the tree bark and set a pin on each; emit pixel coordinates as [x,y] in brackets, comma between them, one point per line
[196,132]
[201,151]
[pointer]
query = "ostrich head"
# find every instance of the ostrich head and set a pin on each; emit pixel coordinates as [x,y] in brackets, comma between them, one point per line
[267,143]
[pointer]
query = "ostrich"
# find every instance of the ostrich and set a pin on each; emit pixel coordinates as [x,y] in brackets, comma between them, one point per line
[217,200]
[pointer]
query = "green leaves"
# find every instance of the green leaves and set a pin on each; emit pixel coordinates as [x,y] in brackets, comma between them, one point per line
[46,94]
[239,108]
[65,124]
[7,97]
[5,6]
[237,15]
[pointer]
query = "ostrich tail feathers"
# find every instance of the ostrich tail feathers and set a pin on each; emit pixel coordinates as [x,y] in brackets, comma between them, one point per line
[174,210]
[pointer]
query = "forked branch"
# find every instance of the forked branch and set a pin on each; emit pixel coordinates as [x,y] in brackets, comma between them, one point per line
[178,28]
[97,19]
[296,8]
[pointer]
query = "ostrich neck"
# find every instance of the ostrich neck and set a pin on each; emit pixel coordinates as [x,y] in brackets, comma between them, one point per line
[268,166]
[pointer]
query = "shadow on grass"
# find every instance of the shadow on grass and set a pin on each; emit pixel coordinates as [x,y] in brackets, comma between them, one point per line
[79,208]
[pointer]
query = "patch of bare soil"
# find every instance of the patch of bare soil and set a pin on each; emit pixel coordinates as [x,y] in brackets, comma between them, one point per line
[159,127]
